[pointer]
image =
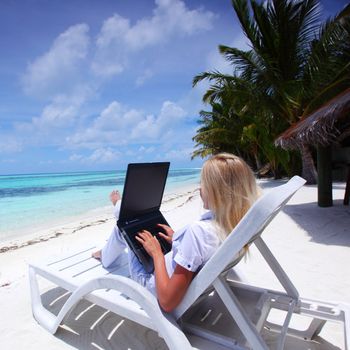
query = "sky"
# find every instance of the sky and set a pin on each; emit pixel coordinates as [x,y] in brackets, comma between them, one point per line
[97,84]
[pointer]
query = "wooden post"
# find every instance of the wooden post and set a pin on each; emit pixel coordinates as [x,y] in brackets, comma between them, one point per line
[324,172]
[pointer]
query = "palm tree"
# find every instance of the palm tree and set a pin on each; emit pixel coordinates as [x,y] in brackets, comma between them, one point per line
[231,127]
[220,129]
[291,68]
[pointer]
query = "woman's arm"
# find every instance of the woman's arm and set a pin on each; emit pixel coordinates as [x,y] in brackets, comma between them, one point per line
[170,291]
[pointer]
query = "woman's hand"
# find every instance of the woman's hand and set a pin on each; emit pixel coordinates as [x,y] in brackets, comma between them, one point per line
[150,243]
[170,290]
[168,235]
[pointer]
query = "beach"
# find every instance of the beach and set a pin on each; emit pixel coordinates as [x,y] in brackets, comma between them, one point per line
[311,243]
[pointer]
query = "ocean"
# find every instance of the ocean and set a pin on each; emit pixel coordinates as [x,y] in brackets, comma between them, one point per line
[35,201]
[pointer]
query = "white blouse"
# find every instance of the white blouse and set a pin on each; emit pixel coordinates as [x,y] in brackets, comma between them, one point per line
[193,245]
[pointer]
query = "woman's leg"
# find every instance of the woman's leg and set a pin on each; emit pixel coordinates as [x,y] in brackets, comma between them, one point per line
[113,248]
[139,274]
[115,244]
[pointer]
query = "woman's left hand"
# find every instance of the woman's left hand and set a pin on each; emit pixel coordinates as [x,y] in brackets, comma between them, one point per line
[150,243]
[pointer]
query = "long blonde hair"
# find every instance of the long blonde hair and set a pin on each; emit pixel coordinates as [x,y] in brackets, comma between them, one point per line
[230,188]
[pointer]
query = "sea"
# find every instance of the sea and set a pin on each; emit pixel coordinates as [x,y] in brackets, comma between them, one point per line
[34,201]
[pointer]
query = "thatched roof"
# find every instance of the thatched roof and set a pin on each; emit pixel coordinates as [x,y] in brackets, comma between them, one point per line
[327,125]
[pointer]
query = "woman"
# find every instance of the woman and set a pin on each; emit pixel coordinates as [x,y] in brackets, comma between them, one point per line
[228,189]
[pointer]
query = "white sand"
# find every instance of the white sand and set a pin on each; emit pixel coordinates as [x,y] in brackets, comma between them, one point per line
[311,243]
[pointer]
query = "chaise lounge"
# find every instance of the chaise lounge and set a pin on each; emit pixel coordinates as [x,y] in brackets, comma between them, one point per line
[218,306]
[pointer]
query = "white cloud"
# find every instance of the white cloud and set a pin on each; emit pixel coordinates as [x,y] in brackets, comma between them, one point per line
[113,29]
[148,128]
[112,127]
[176,15]
[71,57]
[171,113]
[67,77]
[61,75]
[104,155]
[152,127]
[8,161]
[9,145]
[46,162]
[179,154]
[116,116]
[147,74]
[147,150]
[61,112]
[115,125]
[118,37]
[98,156]
[119,125]
[59,67]
[170,17]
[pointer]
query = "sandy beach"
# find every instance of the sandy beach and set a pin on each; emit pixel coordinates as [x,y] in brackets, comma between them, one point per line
[312,244]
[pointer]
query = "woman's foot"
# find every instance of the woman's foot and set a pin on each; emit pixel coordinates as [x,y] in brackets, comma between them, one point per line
[97,255]
[114,197]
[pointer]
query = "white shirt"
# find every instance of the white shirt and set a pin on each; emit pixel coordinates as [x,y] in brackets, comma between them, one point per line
[193,245]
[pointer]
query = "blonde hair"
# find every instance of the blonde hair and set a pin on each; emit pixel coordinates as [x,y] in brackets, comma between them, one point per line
[230,188]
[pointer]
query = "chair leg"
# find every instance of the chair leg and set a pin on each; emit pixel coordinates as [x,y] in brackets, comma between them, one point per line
[346,311]
[44,317]
[239,315]
[314,328]
[347,189]
[163,323]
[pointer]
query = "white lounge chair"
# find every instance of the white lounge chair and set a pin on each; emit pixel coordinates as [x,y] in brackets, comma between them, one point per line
[213,298]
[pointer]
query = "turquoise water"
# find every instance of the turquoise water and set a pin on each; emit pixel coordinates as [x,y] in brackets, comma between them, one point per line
[31,201]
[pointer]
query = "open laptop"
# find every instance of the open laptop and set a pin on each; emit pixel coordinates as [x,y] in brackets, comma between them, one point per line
[142,197]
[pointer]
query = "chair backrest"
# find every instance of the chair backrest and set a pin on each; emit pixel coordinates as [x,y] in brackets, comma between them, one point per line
[247,231]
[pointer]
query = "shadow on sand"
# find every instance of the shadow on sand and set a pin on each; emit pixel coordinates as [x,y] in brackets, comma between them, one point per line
[89,326]
[329,225]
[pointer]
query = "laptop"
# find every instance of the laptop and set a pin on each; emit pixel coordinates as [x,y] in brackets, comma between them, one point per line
[142,197]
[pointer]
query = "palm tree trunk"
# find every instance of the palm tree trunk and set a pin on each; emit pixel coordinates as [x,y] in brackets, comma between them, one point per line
[257,161]
[309,172]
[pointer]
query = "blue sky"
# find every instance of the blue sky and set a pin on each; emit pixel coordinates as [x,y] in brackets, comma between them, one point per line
[96,84]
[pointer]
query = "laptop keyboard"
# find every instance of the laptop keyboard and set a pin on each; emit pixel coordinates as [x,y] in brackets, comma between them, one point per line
[153,228]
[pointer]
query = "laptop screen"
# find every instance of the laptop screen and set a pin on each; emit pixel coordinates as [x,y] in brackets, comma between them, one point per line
[143,189]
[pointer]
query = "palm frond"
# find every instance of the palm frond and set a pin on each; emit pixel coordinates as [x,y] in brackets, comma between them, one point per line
[248,26]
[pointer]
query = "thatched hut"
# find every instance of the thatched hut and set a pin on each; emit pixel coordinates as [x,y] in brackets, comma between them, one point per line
[326,128]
